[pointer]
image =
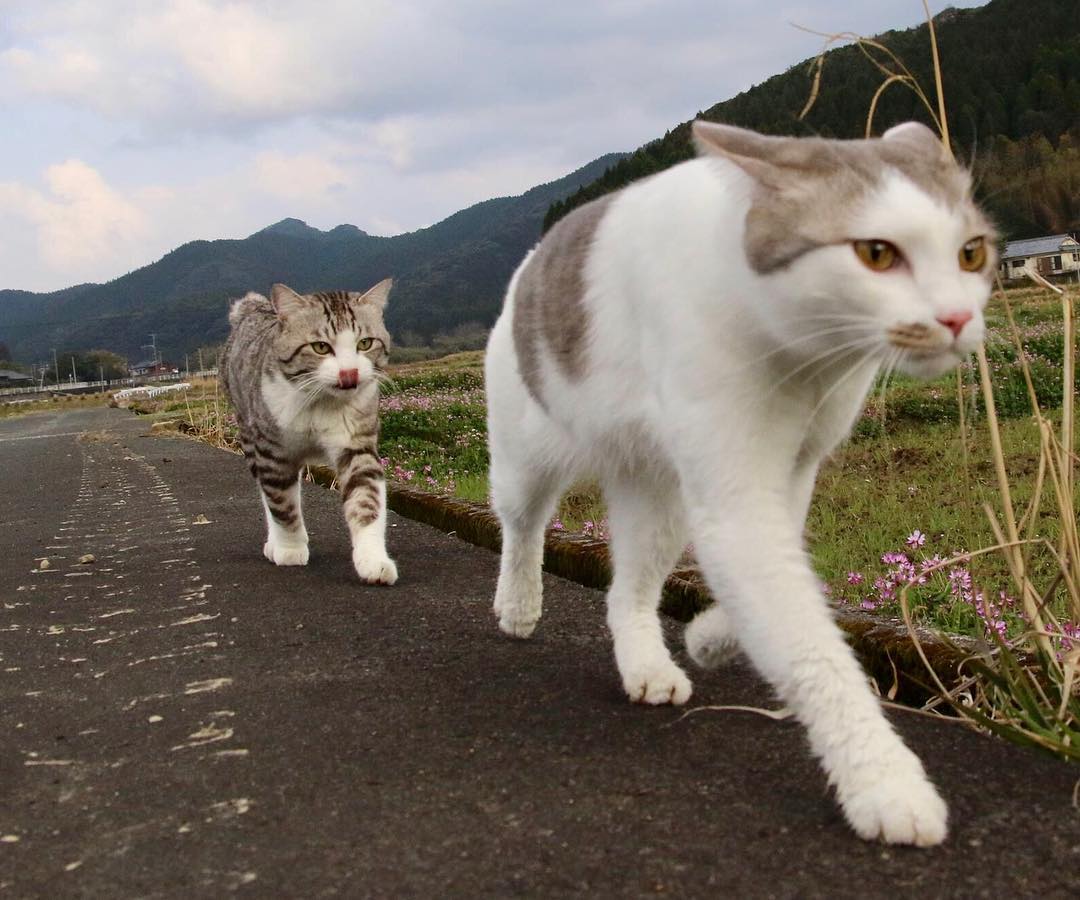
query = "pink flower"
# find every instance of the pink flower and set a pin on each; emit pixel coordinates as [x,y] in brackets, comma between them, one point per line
[854,578]
[916,539]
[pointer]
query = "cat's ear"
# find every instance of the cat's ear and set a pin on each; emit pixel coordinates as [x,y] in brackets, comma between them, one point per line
[761,156]
[286,301]
[379,294]
[917,134]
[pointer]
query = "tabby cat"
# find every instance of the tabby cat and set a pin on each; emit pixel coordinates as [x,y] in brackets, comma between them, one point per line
[303,373]
[698,343]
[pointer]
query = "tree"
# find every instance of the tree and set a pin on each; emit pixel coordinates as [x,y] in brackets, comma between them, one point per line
[91,365]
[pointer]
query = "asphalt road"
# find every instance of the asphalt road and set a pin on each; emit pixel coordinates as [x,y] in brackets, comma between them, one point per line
[179,718]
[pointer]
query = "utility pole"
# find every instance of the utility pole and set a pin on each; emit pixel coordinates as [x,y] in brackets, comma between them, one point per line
[187,367]
[201,369]
[74,377]
[56,367]
[101,377]
[152,347]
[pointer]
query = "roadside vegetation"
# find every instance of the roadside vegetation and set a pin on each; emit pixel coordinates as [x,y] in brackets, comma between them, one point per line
[17,406]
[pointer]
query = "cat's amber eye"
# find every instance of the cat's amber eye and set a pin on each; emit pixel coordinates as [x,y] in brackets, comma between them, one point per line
[877,255]
[364,344]
[321,347]
[973,255]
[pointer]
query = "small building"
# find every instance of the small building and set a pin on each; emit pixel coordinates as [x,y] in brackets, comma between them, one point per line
[10,378]
[150,367]
[1055,254]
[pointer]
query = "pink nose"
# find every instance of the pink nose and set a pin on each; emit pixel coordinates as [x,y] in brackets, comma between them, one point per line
[955,322]
[348,378]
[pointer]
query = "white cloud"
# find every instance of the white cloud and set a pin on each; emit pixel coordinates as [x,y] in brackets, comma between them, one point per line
[302,176]
[79,220]
[203,64]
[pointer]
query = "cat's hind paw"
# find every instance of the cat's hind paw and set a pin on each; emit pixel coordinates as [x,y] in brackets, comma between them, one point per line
[710,638]
[375,570]
[286,554]
[898,810]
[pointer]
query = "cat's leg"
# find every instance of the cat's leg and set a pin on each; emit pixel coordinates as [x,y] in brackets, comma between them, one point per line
[802,490]
[750,549]
[363,489]
[279,488]
[710,637]
[523,495]
[648,532]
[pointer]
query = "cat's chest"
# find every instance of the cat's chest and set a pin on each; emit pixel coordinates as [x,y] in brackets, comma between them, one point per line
[829,410]
[314,430]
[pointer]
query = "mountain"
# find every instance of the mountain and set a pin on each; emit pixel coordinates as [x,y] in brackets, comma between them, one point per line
[452,273]
[1011,73]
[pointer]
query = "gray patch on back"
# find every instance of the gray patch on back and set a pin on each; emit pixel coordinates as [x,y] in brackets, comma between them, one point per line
[548,309]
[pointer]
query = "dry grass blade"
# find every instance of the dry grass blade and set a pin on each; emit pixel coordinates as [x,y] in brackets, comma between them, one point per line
[892,79]
[815,86]
[1031,698]
[898,74]
[943,121]
[777,715]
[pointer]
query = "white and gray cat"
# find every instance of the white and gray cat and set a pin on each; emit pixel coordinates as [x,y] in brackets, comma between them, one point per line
[698,343]
[303,371]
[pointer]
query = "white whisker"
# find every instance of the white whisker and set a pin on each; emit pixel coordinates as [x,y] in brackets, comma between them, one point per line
[854,369]
[827,332]
[824,358]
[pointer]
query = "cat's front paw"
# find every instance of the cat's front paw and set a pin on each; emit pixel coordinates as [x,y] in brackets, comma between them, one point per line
[513,623]
[518,608]
[375,569]
[286,554]
[656,682]
[898,809]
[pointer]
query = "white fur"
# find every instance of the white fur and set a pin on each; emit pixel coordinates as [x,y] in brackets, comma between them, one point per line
[705,413]
[316,424]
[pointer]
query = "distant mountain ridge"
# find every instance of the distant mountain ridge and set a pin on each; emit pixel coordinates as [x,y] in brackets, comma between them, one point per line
[451,273]
[1012,84]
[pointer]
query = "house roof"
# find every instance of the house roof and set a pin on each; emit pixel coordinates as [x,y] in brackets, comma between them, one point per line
[10,375]
[1053,243]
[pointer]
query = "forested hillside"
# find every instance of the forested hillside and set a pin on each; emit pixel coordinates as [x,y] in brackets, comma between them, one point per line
[1011,72]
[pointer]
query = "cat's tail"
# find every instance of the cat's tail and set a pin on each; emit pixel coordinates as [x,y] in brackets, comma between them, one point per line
[241,307]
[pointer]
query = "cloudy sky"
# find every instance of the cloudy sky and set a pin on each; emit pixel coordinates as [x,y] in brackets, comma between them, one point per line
[132,126]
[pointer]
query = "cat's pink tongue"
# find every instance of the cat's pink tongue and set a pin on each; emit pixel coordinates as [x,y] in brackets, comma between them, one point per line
[348,378]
